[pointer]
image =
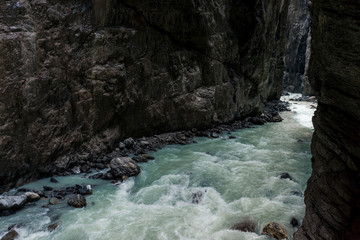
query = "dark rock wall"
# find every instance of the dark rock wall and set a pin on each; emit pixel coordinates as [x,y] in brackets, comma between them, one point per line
[333,193]
[297,53]
[76,75]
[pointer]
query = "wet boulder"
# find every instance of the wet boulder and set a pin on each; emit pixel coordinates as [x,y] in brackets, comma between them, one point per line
[53,180]
[196,197]
[77,201]
[85,190]
[139,159]
[39,192]
[274,230]
[32,197]
[53,226]
[10,235]
[12,202]
[53,201]
[294,222]
[285,175]
[245,226]
[129,142]
[123,166]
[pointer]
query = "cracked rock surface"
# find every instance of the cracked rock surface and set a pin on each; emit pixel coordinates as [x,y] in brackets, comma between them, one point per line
[76,75]
[332,196]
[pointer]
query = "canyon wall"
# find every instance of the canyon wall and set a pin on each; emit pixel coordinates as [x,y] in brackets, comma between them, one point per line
[332,196]
[297,54]
[75,75]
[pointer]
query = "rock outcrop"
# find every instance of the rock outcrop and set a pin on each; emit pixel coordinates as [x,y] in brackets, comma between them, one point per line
[332,196]
[76,75]
[297,53]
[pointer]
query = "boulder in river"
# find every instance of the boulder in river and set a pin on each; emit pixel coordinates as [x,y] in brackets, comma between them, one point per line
[10,235]
[245,226]
[53,180]
[196,197]
[53,226]
[274,230]
[123,166]
[31,196]
[285,175]
[85,190]
[294,222]
[12,202]
[53,200]
[77,201]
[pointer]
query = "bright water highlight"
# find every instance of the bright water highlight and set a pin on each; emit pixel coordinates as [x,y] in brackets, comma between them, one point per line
[238,178]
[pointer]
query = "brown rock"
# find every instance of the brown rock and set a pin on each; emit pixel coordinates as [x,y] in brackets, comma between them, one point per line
[53,226]
[245,226]
[53,201]
[274,230]
[10,235]
[123,166]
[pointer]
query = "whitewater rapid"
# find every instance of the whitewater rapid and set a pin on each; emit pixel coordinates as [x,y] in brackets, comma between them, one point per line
[238,179]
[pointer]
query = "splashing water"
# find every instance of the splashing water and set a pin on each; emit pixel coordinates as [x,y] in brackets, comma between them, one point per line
[234,179]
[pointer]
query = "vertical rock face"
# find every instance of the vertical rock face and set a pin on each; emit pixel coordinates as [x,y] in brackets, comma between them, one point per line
[333,193]
[298,43]
[76,75]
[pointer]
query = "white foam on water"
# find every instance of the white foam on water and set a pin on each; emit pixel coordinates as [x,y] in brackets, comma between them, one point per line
[238,179]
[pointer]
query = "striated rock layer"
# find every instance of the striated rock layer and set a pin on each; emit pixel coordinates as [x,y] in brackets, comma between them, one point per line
[297,54]
[333,193]
[76,75]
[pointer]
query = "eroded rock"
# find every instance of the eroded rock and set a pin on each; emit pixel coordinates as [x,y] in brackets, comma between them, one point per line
[12,202]
[123,166]
[12,235]
[274,230]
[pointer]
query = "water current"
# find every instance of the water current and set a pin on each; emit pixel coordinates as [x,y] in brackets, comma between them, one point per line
[238,178]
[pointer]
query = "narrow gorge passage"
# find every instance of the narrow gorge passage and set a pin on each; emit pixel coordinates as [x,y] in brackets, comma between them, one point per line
[233,180]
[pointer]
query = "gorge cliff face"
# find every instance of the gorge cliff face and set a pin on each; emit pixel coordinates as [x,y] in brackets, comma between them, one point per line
[297,54]
[333,193]
[76,75]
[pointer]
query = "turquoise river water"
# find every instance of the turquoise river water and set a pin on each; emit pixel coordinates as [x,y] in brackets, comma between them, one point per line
[239,179]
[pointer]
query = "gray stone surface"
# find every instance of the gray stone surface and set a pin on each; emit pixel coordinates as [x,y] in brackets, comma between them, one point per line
[332,196]
[76,75]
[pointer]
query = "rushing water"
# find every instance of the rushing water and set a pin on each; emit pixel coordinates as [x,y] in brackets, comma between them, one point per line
[239,179]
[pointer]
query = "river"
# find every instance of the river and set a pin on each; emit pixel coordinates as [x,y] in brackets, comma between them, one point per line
[237,178]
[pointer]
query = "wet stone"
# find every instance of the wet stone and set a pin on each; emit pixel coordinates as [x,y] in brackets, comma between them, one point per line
[245,226]
[53,180]
[10,235]
[285,175]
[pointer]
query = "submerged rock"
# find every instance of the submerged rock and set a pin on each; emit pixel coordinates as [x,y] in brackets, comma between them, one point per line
[245,226]
[123,166]
[274,230]
[53,201]
[12,202]
[47,188]
[77,201]
[10,235]
[53,226]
